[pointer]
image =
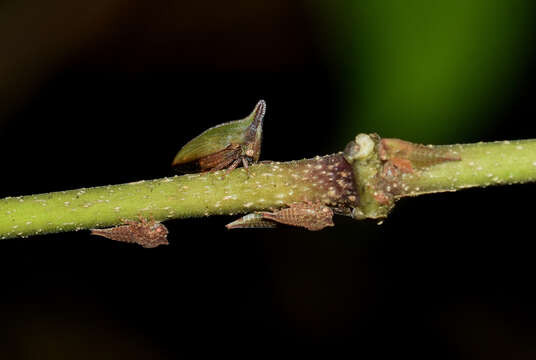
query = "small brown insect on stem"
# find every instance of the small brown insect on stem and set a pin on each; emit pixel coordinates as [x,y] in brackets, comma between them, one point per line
[312,216]
[407,156]
[148,234]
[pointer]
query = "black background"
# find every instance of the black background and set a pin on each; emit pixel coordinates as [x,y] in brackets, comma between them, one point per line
[446,276]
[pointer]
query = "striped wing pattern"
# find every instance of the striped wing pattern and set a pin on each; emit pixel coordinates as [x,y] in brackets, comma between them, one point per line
[213,140]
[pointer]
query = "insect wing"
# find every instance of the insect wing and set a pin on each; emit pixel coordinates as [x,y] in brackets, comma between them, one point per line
[221,159]
[212,141]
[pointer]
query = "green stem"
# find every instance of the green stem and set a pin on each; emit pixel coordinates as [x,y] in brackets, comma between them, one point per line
[267,185]
[390,169]
[361,182]
[481,164]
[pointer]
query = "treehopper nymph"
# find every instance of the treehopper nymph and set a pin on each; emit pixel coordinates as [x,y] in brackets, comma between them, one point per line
[312,216]
[224,146]
[407,156]
[148,234]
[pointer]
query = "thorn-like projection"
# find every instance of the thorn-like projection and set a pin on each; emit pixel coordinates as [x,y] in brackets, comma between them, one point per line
[312,216]
[406,155]
[148,234]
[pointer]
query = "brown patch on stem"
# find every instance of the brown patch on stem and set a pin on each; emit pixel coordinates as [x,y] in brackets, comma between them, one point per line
[333,177]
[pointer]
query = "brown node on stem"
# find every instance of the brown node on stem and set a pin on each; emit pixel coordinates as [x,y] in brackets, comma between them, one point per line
[148,234]
[333,180]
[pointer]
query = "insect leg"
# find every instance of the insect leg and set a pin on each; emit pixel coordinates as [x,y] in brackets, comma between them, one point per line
[224,164]
[233,165]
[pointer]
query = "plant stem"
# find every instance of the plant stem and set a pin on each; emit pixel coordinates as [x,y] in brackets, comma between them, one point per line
[365,181]
[413,169]
[268,185]
[482,164]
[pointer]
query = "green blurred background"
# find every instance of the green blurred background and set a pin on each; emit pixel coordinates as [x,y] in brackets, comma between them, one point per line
[107,91]
[429,71]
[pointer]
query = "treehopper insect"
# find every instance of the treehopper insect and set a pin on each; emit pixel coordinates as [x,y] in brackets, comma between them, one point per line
[224,146]
[312,216]
[148,234]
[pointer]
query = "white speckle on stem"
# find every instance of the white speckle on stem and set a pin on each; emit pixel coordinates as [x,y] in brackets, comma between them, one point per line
[139,182]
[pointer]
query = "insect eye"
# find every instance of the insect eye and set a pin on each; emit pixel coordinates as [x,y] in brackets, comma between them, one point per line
[250,152]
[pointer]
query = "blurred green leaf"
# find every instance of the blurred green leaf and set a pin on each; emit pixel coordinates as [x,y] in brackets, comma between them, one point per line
[425,70]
